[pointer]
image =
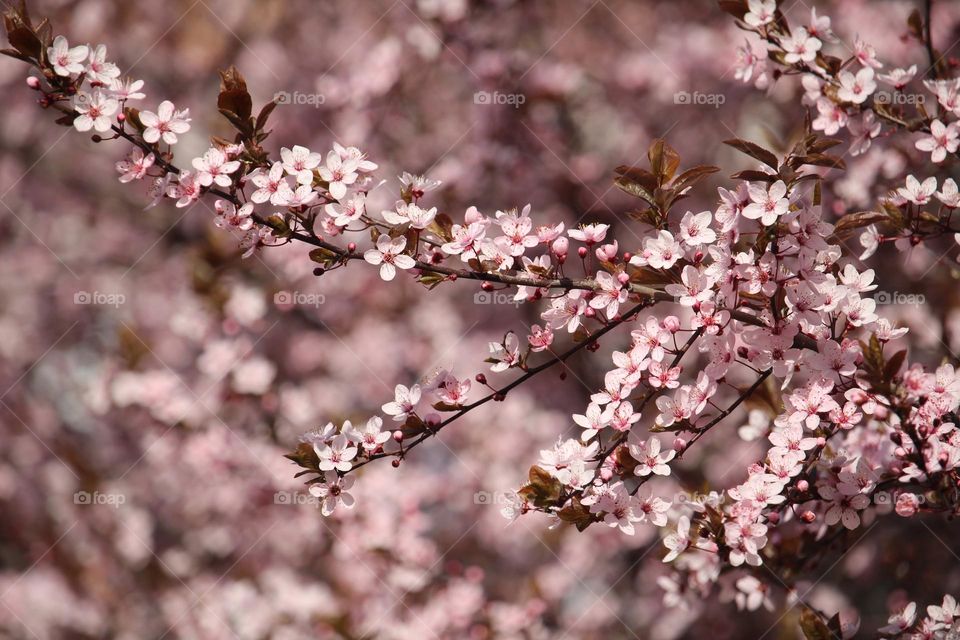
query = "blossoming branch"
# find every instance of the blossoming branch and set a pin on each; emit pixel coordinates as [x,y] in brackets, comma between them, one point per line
[761,290]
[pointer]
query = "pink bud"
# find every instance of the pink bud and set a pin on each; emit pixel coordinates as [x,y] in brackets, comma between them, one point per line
[623,277]
[821,441]
[121,117]
[472,215]
[590,313]
[679,445]
[607,252]
[671,324]
[560,246]
[803,486]
[808,516]
[582,252]
[33,82]
[432,419]
[773,517]
[398,435]
[352,247]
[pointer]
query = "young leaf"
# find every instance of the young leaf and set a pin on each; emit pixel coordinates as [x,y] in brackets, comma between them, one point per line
[754,151]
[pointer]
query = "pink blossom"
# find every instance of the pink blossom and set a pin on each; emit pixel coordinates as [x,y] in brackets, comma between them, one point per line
[389,255]
[167,123]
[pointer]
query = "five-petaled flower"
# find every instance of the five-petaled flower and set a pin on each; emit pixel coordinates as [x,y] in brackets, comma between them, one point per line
[67,60]
[166,124]
[767,203]
[337,455]
[96,112]
[389,255]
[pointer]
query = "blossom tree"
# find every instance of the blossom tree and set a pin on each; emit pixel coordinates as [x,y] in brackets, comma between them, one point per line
[758,303]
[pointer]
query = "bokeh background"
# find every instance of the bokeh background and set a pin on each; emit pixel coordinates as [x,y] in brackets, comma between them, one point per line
[149,382]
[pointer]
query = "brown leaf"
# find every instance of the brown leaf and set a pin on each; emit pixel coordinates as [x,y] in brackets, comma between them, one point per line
[753,175]
[857,220]
[577,514]
[754,151]
[693,175]
[25,41]
[635,189]
[664,160]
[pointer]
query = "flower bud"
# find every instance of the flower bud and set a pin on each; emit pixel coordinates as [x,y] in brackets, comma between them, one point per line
[589,312]
[352,247]
[395,462]
[626,256]
[487,286]
[679,444]
[121,117]
[803,486]
[482,379]
[773,517]
[560,247]
[318,271]
[607,252]
[808,516]
[398,435]
[623,277]
[582,252]
[33,82]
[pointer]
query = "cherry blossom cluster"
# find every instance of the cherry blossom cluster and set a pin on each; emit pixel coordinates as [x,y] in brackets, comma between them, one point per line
[856,92]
